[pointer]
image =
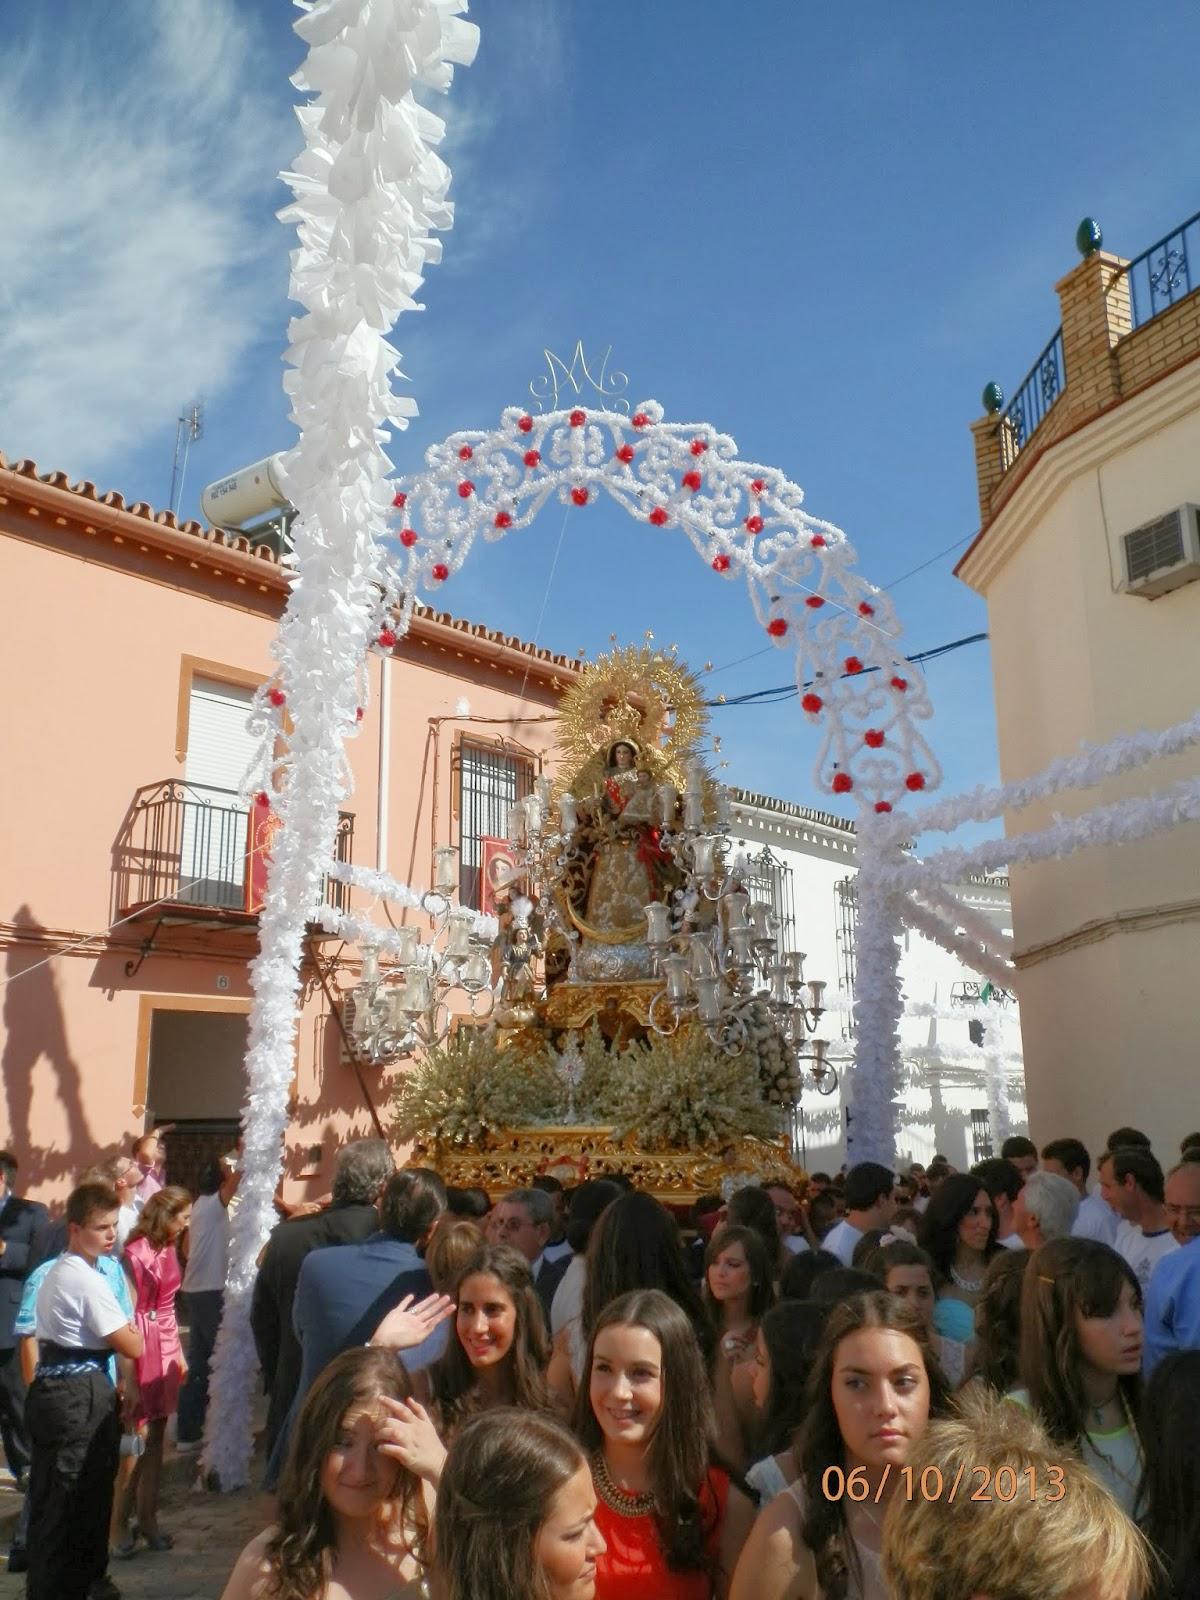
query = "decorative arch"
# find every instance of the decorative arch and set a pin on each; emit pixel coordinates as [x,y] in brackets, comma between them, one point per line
[746,521]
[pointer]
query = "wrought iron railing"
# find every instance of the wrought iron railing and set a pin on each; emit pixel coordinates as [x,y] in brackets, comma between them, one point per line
[185,844]
[1163,275]
[1028,408]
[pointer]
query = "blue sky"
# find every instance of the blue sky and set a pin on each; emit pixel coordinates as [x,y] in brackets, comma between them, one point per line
[821,229]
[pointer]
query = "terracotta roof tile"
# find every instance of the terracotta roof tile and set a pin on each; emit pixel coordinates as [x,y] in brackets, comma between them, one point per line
[86,490]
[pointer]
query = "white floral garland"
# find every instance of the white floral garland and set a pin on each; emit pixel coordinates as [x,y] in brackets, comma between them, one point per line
[1087,767]
[744,519]
[369,190]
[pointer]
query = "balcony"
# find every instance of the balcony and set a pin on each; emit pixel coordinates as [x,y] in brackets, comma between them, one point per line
[182,856]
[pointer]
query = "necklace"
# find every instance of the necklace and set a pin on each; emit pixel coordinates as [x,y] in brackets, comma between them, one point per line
[616,1499]
[967,1285]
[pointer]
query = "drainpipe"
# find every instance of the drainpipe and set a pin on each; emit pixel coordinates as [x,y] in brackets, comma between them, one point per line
[383,796]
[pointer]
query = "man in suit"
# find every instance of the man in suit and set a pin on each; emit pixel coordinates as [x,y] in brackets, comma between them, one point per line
[343,1293]
[359,1174]
[524,1219]
[23,1226]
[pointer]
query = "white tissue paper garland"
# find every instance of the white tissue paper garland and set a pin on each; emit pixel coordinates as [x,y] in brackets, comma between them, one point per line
[875,1087]
[369,190]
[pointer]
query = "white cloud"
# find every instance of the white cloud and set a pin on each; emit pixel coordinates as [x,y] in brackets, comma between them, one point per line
[140,257]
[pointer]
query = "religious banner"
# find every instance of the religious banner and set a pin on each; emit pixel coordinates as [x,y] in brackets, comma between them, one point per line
[262,826]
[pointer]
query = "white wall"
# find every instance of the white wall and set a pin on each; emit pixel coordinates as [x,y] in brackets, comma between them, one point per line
[945,1076]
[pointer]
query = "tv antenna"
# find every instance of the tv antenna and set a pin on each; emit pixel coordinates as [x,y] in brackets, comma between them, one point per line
[189,428]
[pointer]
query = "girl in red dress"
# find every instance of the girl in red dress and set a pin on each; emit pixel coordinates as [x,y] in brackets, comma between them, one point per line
[152,1263]
[672,1521]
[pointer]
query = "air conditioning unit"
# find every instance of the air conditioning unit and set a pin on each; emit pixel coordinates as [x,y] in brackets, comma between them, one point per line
[1164,554]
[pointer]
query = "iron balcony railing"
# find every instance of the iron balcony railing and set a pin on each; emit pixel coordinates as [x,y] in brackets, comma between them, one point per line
[186,844]
[1029,407]
[1163,275]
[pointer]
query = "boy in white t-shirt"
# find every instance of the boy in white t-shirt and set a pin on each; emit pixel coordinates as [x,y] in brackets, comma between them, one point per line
[71,1410]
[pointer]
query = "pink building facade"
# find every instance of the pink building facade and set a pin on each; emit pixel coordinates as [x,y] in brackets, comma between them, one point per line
[132,645]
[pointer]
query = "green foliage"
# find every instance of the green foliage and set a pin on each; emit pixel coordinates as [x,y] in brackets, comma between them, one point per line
[470,1087]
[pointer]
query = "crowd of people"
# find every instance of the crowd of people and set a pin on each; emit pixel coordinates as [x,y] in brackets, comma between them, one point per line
[932,1385]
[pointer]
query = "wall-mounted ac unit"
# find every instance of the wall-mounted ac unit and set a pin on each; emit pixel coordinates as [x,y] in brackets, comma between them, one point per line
[1164,554]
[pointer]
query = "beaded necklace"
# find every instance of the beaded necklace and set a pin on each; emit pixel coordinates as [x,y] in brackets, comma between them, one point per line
[624,1503]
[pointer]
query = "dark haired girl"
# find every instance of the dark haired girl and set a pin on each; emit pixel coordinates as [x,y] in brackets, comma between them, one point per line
[958,1233]
[1081,1356]
[873,1389]
[672,1521]
[353,1523]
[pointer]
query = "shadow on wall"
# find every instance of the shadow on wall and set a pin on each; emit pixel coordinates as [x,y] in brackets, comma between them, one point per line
[35,1037]
[333,1110]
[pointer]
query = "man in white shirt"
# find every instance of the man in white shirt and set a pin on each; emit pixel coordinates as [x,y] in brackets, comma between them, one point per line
[72,1413]
[870,1203]
[203,1294]
[1095,1219]
[126,1175]
[1132,1183]
[1045,1209]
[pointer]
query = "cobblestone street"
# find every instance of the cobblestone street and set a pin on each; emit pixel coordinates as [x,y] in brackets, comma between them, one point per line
[209,1531]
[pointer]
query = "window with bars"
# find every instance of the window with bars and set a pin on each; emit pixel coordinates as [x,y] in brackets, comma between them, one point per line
[770,879]
[981,1135]
[490,779]
[846,890]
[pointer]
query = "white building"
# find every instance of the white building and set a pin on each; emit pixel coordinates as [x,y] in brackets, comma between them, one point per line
[963,1091]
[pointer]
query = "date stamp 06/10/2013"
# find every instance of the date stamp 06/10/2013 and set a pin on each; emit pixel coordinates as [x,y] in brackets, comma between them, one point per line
[969,1483]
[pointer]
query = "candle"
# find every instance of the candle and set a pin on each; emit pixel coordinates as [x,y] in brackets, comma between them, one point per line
[445,869]
[458,945]
[724,804]
[762,918]
[707,1001]
[816,996]
[533,815]
[668,799]
[543,786]
[408,942]
[777,972]
[693,810]
[477,974]
[695,776]
[516,824]
[704,963]
[370,965]
[677,979]
[735,903]
[702,855]
[658,923]
[568,813]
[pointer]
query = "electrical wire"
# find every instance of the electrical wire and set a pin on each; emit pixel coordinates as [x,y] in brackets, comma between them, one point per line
[786,691]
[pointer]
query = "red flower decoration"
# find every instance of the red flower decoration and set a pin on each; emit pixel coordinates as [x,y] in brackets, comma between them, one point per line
[818,541]
[399,499]
[811,703]
[873,737]
[277,697]
[699,446]
[659,517]
[692,481]
[579,497]
[852,664]
[815,602]
[387,638]
[754,524]
[532,457]
[777,627]
[625,453]
[900,684]
[408,537]
[720,563]
[465,453]
[883,806]
[466,489]
[525,424]
[263,798]
[915,780]
[441,571]
[358,715]
[865,610]
[577,419]
[842,783]
[503,520]
[640,419]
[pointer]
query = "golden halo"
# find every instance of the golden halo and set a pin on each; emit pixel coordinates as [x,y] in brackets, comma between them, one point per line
[649,699]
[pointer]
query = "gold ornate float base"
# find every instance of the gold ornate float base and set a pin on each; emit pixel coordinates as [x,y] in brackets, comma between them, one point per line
[512,1157]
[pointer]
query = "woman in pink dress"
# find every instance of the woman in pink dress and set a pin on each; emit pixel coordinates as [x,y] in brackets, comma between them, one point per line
[152,1263]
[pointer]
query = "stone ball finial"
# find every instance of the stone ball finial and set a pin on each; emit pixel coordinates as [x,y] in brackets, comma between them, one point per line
[993,399]
[1088,237]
